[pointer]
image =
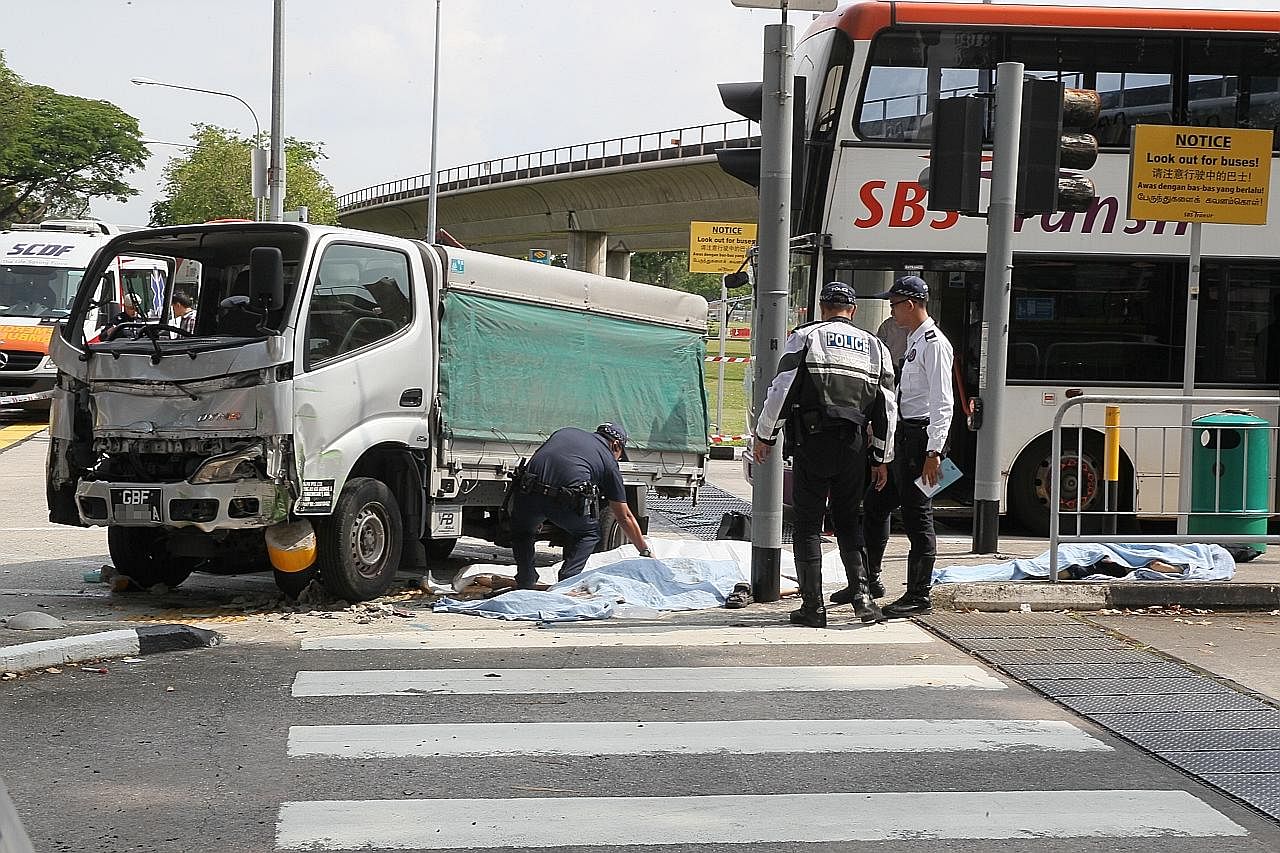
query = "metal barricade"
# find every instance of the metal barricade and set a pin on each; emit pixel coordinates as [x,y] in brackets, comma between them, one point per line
[1141,442]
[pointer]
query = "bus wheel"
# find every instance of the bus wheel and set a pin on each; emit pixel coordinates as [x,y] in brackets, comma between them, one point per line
[358,547]
[140,554]
[1031,479]
[611,533]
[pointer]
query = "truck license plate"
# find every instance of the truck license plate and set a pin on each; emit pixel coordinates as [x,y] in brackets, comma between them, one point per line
[136,505]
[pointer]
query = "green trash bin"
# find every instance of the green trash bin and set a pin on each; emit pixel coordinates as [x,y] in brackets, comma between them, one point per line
[1230,472]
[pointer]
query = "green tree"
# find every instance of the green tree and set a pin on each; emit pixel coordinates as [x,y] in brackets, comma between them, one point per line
[214,181]
[671,269]
[59,151]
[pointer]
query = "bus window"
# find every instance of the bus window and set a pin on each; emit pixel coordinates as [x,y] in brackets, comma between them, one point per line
[1132,74]
[1234,82]
[910,70]
[1095,322]
[1237,340]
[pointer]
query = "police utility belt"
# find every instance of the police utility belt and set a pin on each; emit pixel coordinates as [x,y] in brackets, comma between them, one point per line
[583,497]
[802,423]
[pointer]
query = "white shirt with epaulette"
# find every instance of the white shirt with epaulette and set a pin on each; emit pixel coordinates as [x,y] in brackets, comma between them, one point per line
[924,389]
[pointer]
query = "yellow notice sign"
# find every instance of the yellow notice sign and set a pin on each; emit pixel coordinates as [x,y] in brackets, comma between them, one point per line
[1200,174]
[719,246]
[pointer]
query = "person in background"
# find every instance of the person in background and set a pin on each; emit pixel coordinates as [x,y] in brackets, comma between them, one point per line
[131,313]
[184,315]
[924,408]
[833,379]
[562,483]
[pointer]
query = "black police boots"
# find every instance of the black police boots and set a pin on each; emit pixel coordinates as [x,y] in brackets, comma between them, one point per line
[875,588]
[811,613]
[857,593]
[916,601]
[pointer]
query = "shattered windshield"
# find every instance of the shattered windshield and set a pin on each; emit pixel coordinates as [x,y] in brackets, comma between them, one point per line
[43,291]
[206,297]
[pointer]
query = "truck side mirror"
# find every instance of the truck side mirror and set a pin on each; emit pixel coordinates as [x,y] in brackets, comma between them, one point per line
[266,277]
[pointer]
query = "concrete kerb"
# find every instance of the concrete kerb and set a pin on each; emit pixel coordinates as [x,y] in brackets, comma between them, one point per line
[1088,596]
[127,642]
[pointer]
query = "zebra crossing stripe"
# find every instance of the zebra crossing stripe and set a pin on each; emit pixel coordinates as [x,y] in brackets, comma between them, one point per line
[744,737]
[692,679]
[539,638]
[523,823]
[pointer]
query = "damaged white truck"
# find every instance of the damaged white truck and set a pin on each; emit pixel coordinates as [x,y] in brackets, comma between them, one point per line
[352,398]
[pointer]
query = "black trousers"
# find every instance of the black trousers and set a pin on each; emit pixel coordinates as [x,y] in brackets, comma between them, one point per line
[827,464]
[528,512]
[909,446]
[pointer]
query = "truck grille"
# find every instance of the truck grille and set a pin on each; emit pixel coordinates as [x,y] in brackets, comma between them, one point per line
[20,360]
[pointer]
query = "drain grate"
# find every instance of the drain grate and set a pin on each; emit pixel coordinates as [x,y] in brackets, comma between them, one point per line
[1233,761]
[1157,703]
[1066,656]
[1048,671]
[1046,644]
[1203,727]
[703,519]
[1189,721]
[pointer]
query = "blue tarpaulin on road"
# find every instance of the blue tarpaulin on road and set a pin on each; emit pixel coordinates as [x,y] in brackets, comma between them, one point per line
[1196,562]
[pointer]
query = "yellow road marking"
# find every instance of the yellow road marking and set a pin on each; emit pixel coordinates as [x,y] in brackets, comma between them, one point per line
[11,435]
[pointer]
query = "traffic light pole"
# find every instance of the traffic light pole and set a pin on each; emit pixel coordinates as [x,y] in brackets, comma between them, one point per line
[995,305]
[769,327]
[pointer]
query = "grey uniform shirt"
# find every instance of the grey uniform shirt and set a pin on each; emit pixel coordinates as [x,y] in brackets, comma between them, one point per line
[924,390]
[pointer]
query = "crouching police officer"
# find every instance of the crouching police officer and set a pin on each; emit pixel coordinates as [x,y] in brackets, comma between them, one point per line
[832,379]
[562,483]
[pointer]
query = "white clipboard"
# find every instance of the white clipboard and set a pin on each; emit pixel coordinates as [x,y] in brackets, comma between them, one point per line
[948,473]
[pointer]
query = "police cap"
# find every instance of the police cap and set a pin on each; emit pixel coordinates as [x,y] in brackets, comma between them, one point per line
[908,287]
[837,293]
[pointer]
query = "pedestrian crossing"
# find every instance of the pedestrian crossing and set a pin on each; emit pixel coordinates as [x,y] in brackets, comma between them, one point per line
[862,709]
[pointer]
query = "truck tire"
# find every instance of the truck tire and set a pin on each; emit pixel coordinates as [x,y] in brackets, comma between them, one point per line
[359,545]
[611,533]
[139,553]
[439,549]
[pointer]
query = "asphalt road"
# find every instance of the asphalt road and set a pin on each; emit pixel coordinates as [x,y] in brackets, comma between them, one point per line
[747,746]
[192,751]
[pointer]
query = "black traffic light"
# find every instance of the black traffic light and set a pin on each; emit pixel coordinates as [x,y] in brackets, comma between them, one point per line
[955,154]
[1053,148]
[747,100]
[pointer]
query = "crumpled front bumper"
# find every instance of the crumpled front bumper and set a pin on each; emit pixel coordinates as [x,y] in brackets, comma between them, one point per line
[208,507]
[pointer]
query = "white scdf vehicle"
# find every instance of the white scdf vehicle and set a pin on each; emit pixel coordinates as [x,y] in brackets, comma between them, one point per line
[41,267]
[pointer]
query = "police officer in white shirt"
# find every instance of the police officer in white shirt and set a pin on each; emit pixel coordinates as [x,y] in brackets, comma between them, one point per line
[924,410]
[833,379]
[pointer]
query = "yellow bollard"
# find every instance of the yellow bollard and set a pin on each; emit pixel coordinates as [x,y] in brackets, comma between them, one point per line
[1111,469]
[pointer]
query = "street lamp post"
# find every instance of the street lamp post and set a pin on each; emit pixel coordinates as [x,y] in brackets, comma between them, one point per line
[433,193]
[259,154]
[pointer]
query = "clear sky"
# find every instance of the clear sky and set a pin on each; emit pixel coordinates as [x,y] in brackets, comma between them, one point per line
[515,75]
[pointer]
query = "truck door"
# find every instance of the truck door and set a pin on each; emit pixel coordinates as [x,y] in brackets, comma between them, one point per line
[363,370]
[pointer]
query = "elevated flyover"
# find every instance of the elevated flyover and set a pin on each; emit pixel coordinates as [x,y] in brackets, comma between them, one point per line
[598,201]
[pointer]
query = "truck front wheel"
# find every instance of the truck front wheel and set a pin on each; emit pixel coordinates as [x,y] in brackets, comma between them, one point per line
[359,545]
[611,533]
[140,554]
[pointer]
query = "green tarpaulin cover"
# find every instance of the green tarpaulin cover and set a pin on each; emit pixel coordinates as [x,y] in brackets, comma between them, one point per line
[527,370]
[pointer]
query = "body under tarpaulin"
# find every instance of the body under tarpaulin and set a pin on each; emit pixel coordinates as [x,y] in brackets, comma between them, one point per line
[1193,562]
